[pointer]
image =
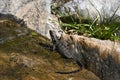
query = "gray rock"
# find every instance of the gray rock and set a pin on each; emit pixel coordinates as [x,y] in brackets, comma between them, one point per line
[36,14]
[93,8]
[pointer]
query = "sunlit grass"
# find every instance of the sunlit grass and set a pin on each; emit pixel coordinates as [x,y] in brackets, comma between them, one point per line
[106,29]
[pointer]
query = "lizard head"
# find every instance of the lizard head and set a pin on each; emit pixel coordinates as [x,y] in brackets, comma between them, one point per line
[55,35]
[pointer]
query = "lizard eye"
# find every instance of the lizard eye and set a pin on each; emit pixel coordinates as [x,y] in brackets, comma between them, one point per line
[60,31]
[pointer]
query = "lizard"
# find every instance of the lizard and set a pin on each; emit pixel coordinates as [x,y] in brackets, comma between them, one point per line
[65,49]
[102,57]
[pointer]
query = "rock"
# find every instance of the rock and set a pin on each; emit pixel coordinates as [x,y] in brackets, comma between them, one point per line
[92,8]
[23,60]
[59,2]
[10,30]
[36,14]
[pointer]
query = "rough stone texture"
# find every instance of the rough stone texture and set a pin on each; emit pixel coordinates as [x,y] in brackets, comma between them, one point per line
[93,8]
[59,2]
[102,57]
[35,13]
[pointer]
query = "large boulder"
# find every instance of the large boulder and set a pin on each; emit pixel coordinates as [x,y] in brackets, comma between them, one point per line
[36,14]
[93,8]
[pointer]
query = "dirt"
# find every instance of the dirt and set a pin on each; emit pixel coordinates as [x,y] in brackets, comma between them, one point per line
[26,55]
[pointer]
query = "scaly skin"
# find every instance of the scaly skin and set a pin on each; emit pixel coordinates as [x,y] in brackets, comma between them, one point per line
[102,57]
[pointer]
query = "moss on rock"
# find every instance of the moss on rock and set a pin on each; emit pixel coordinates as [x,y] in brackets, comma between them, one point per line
[26,55]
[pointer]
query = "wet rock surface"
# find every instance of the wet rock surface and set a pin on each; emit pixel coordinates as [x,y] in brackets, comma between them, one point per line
[29,57]
[12,33]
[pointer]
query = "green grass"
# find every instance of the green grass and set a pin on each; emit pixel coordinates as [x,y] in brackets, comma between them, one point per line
[106,29]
